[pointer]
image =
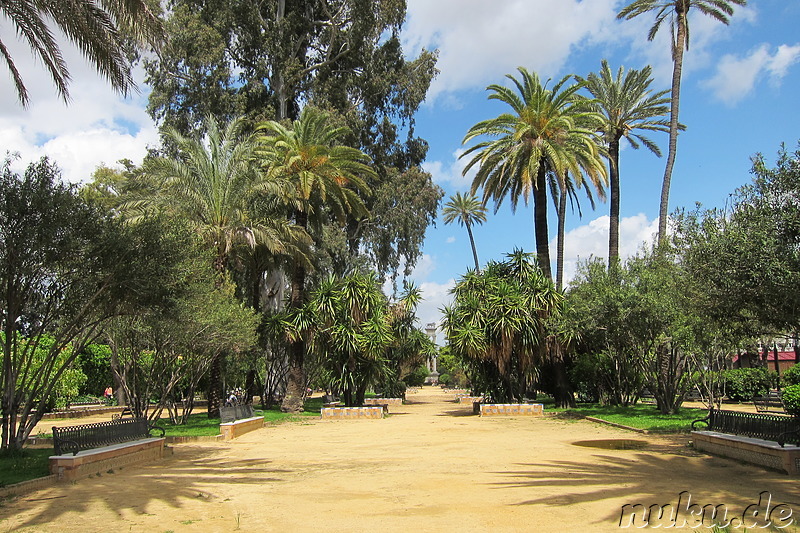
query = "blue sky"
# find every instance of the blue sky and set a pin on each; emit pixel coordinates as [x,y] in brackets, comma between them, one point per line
[739,92]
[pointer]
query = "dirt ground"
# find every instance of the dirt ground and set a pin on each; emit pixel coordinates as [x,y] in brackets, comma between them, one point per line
[430,466]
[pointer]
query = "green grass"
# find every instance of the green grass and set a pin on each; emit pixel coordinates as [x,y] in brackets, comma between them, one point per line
[24,465]
[642,417]
[199,425]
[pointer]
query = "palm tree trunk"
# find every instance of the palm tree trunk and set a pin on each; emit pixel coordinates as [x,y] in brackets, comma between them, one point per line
[562,219]
[613,223]
[218,362]
[540,221]
[296,384]
[474,251]
[677,59]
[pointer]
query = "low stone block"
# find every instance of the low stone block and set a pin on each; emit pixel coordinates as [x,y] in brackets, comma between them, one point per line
[512,409]
[383,401]
[470,399]
[754,451]
[231,430]
[352,413]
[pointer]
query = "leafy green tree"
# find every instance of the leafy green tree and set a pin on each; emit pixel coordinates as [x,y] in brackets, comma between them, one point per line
[66,269]
[628,106]
[214,184]
[498,326]
[324,179]
[633,325]
[548,130]
[266,59]
[677,12]
[163,354]
[97,28]
[746,257]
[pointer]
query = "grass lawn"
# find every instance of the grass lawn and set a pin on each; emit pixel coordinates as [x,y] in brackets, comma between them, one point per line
[642,417]
[24,465]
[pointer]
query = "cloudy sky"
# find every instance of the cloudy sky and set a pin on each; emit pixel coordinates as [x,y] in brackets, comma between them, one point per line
[739,92]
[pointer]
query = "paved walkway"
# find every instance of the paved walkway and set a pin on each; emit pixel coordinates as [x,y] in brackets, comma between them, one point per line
[430,466]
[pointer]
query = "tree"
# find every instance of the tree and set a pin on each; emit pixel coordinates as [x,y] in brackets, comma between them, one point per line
[214,184]
[325,179]
[467,210]
[99,28]
[677,11]
[266,59]
[66,269]
[746,257]
[550,130]
[498,326]
[627,105]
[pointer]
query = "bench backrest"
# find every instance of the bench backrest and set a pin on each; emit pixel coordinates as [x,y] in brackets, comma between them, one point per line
[72,439]
[236,412]
[755,425]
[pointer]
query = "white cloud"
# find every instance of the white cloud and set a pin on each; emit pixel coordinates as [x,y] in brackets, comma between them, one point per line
[451,239]
[450,173]
[479,42]
[591,240]
[736,77]
[96,126]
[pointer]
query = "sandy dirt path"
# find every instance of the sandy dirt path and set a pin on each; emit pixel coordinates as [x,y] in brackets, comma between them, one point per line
[430,466]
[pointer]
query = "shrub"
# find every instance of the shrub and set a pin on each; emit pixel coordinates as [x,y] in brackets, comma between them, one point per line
[445,379]
[417,377]
[792,375]
[791,399]
[743,384]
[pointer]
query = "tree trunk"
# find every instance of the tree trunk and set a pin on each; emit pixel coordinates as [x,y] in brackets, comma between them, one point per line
[474,251]
[296,384]
[613,215]
[677,60]
[796,349]
[562,220]
[540,221]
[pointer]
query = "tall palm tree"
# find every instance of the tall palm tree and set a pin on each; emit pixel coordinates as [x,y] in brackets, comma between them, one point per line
[627,105]
[467,210]
[677,11]
[550,130]
[325,179]
[99,28]
[214,184]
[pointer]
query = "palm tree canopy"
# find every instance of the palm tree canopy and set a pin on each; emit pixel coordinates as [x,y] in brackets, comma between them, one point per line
[320,172]
[215,185]
[671,10]
[553,127]
[464,208]
[98,28]
[627,105]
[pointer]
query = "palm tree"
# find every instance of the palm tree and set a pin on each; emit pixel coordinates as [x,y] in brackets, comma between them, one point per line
[214,185]
[677,11]
[468,211]
[325,179]
[627,105]
[550,130]
[99,28]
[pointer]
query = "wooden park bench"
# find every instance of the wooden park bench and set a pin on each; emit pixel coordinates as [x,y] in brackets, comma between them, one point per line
[772,402]
[102,446]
